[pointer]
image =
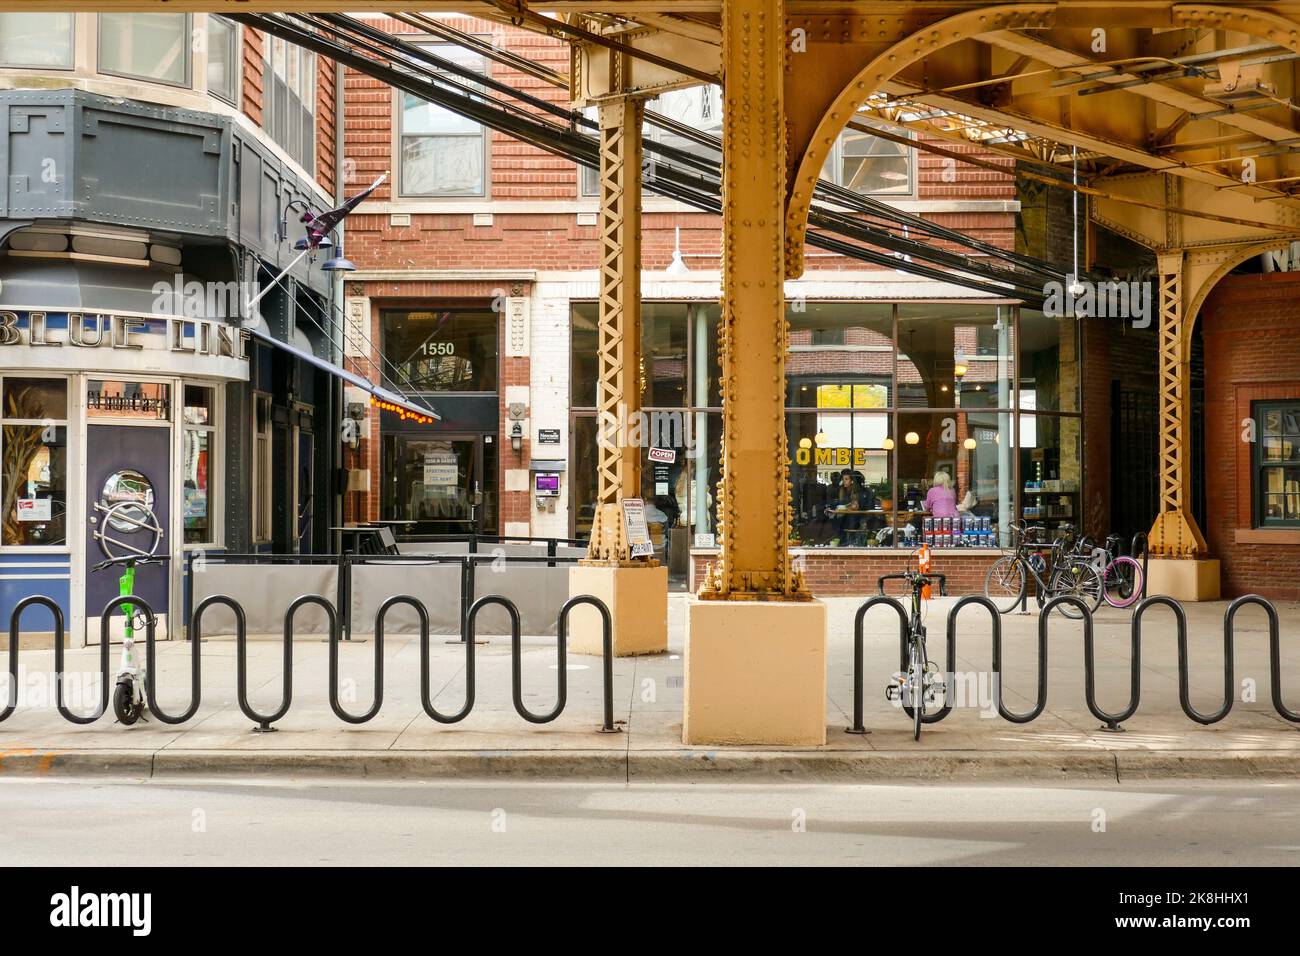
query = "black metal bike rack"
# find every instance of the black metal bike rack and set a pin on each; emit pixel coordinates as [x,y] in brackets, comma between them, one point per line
[1110,721]
[1141,537]
[970,600]
[195,638]
[858,622]
[15,619]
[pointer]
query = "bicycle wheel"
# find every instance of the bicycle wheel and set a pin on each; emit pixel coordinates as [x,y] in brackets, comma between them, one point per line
[1123,581]
[916,677]
[1004,584]
[1079,580]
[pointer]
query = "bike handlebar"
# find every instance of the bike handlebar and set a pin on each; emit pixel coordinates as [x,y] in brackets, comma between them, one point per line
[132,559]
[912,576]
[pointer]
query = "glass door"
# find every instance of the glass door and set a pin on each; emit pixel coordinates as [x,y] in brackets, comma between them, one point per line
[435,485]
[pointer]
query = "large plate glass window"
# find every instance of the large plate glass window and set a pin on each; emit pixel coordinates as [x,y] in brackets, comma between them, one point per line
[34,457]
[442,153]
[147,46]
[440,350]
[36,40]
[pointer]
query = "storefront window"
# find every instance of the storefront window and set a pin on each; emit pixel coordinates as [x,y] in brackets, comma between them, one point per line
[841,354]
[34,461]
[1051,473]
[1049,362]
[665,379]
[119,400]
[197,464]
[840,477]
[954,355]
[854,398]
[445,350]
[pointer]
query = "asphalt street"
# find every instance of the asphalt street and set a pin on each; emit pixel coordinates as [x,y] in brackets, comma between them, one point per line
[237,821]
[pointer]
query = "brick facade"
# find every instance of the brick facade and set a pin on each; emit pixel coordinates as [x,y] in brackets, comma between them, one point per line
[836,572]
[1251,328]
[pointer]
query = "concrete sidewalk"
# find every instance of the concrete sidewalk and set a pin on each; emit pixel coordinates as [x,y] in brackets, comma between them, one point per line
[971,743]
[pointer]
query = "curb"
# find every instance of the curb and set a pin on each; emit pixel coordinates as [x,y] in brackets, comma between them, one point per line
[686,766]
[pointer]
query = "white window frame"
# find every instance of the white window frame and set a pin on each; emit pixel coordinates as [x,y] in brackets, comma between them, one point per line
[485,186]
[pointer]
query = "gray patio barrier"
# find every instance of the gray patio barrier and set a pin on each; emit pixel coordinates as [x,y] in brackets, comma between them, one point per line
[264,589]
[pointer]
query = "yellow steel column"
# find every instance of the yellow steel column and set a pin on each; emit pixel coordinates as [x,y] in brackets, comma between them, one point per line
[753,498]
[635,590]
[1174,533]
[618,397]
[755,670]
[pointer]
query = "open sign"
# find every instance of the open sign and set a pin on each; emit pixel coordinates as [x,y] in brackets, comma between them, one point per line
[666,455]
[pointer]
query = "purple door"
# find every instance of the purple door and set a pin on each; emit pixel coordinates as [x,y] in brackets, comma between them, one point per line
[126,463]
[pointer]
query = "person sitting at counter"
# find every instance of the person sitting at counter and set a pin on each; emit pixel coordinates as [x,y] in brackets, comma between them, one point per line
[941,499]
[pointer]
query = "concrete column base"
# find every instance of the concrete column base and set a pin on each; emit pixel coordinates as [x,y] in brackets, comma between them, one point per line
[755,673]
[637,599]
[1184,579]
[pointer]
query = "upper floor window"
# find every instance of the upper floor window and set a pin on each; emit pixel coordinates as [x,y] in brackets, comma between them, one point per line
[442,153]
[223,58]
[699,107]
[148,46]
[36,40]
[870,165]
[1277,464]
[289,100]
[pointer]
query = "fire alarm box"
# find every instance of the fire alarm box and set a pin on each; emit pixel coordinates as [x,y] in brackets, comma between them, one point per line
[546,484]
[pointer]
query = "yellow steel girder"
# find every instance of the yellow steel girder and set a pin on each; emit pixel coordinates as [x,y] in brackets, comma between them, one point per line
[753,494]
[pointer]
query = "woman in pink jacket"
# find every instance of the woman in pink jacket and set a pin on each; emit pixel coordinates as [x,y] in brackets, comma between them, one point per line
[941,499]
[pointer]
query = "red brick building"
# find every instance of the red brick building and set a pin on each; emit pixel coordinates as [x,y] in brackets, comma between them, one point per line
[1250,325]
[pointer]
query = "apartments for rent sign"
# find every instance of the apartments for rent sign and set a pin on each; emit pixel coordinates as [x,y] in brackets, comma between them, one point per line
[103,341]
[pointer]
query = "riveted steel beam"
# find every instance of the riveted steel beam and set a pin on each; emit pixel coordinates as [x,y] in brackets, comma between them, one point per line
[754,497]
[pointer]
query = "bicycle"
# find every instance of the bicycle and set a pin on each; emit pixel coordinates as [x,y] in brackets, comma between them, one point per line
[1122,577]
[922,683]
[1067,572]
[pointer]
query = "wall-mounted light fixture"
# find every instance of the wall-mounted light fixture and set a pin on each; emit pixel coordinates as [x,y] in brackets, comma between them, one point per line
[517,436]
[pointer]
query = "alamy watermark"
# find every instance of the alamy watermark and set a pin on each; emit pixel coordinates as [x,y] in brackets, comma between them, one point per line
[1110,299]
[621,429]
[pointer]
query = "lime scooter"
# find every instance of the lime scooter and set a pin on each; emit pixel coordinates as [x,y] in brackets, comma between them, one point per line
[129,694]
